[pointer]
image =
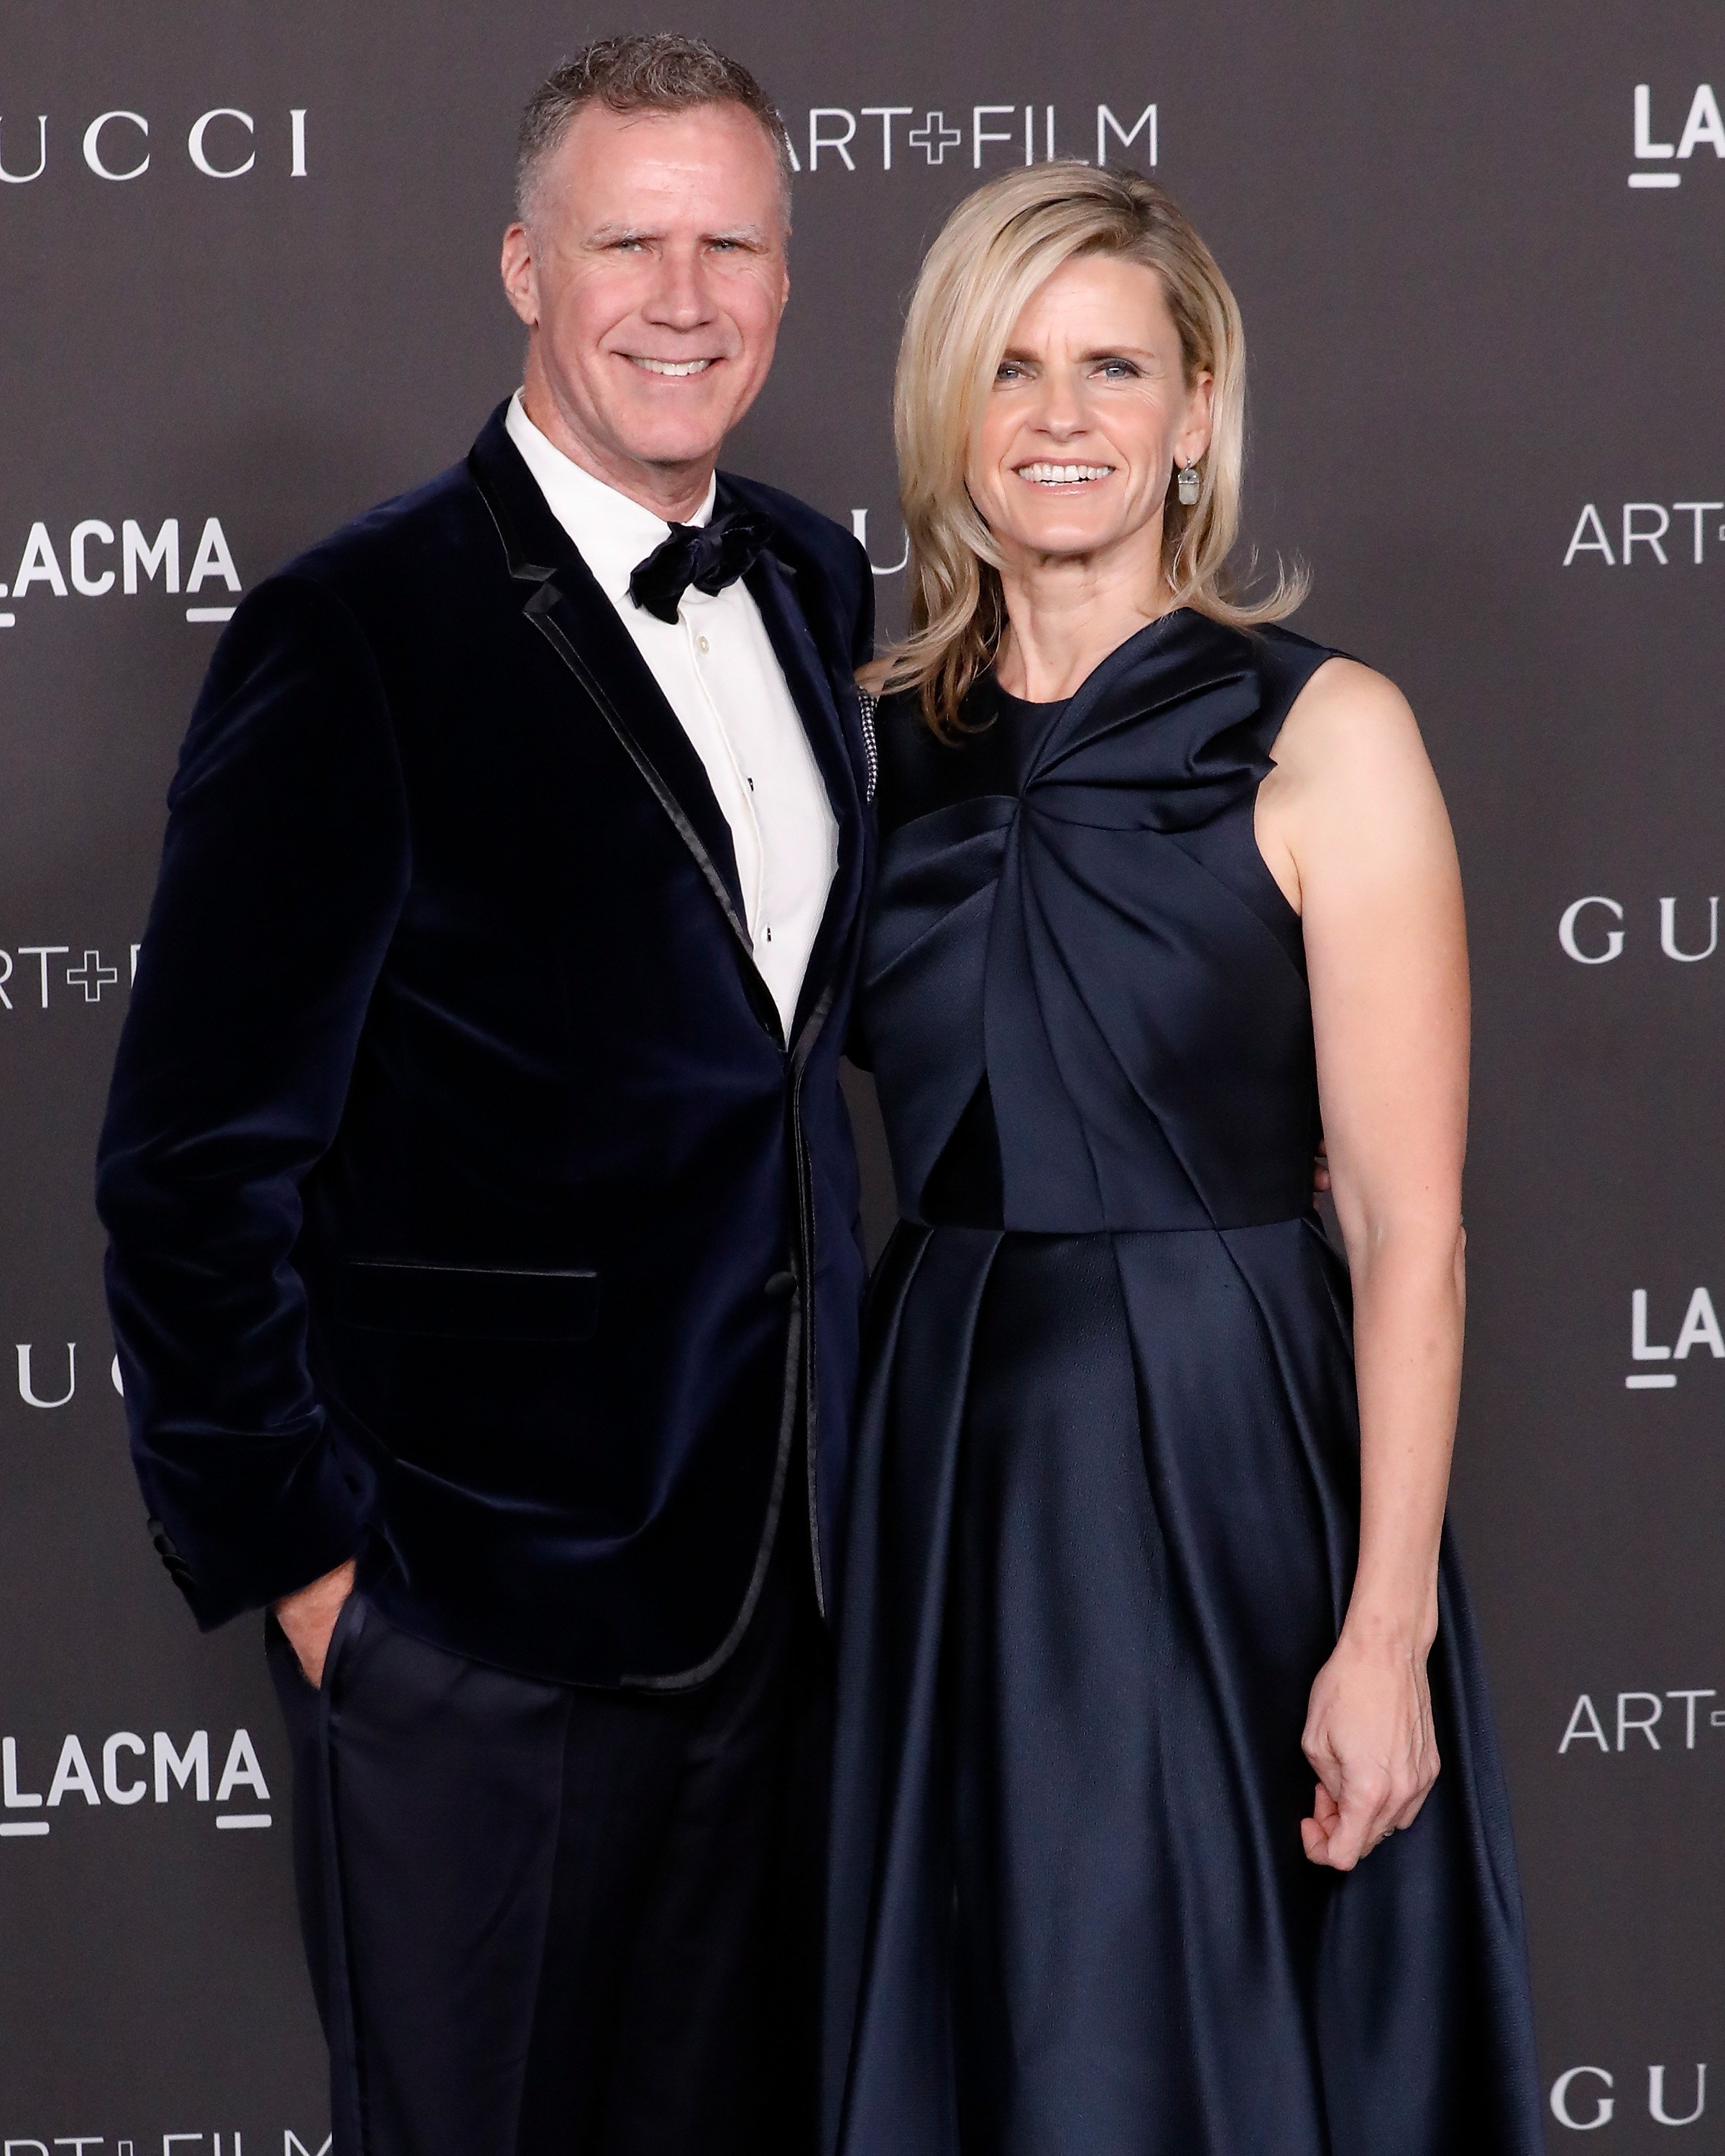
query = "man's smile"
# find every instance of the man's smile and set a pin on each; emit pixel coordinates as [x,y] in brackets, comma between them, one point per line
[675,370]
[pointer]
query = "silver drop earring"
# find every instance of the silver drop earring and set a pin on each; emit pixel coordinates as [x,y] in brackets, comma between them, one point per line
[1188,487]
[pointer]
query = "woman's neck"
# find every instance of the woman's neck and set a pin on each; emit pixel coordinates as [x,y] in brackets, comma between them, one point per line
[1066,614]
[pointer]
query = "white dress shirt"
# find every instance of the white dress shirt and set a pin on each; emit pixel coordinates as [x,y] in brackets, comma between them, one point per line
[721,677]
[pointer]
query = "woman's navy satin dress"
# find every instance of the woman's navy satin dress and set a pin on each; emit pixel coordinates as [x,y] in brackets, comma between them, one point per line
[1107,1510]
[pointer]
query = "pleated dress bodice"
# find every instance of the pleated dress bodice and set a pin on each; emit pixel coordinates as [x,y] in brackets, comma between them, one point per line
[1077,912]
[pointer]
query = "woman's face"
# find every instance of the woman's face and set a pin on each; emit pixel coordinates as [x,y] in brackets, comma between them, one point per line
[1089,413]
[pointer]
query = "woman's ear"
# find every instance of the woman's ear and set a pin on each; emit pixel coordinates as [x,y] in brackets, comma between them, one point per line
[1193,439]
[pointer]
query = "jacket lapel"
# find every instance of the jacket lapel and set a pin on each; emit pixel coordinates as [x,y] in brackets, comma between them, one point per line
[564,602]
[580,622]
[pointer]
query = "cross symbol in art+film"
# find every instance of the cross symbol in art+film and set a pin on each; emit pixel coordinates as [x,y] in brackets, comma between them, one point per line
[92,976]
[934,138]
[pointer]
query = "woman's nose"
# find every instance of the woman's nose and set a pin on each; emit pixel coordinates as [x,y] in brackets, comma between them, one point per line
[1061,412]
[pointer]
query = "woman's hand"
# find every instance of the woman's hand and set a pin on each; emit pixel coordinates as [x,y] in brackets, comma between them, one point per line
[1370,1742]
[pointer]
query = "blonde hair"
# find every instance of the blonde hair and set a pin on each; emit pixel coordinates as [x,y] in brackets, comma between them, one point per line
[997,249]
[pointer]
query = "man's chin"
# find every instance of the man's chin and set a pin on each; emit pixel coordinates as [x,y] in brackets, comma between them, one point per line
[695,441]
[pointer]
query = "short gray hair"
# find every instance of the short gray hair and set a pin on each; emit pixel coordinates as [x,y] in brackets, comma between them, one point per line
[659,73]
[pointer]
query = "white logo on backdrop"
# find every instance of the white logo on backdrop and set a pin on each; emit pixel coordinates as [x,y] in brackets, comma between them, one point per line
[1596,930]
[1639,1722]
[1585,2097]
[48,1375]
[44,1381]
[222,144]
[1699,1329]
[125,1769]
[1647,535]
[85,979]
[96,565]
[214,2144]
[859,530]
[1702,129]
[889,138]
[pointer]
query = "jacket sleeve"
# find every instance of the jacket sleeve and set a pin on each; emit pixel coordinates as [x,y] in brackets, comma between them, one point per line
[285,868]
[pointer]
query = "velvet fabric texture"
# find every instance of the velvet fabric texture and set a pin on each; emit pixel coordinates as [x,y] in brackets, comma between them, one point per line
[1107,1508]
[469,1209]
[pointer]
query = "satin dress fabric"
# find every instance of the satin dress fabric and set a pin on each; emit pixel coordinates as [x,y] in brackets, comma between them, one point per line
[1106,1505]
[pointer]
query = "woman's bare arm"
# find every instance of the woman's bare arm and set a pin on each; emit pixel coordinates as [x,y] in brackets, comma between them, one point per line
[1353,825]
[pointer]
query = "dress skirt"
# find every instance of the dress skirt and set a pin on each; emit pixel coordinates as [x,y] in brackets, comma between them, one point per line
[1104,1532]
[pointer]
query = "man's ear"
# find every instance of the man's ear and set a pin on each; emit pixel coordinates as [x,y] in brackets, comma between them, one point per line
[520,280]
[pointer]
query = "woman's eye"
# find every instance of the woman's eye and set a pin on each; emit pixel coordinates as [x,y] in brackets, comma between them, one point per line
[1008,371]
[1117,369]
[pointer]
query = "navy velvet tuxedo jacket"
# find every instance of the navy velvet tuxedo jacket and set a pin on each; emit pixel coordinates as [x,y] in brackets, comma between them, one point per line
[469,1209]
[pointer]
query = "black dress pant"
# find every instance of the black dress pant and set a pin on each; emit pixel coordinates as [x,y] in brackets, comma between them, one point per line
[541,1919]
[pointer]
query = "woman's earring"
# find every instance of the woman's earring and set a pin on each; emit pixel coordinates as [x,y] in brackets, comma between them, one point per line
[1188,487]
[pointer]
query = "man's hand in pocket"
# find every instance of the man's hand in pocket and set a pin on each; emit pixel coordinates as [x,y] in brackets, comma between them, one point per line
[308,1617]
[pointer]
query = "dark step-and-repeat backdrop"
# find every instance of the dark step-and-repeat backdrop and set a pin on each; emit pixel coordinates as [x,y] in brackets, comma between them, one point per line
[248,286]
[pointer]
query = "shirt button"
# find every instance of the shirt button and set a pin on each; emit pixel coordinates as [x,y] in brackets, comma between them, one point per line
[703,642]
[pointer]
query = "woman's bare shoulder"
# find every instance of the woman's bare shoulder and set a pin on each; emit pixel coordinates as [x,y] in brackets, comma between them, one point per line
[1347,716]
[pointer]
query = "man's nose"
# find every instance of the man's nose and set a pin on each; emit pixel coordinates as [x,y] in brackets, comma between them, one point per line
[679,298]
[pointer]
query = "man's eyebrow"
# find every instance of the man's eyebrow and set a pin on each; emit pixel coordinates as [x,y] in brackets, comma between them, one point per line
[610,235]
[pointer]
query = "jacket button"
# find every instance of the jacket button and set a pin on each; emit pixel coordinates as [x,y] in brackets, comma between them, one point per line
[781,1285]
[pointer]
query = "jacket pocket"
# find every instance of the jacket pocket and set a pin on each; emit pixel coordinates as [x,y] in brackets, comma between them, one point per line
[468,1302]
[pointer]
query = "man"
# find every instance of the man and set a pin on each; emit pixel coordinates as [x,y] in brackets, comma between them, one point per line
[485,1260]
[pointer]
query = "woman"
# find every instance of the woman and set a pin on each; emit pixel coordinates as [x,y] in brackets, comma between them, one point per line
[1139,1521]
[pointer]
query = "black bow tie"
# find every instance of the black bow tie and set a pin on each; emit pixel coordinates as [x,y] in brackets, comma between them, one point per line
[708,556]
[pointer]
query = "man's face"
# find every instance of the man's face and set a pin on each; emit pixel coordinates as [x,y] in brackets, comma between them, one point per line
[651,275]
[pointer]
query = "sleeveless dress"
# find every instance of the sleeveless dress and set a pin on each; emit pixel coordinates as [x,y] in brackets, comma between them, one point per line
[1106,1513]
